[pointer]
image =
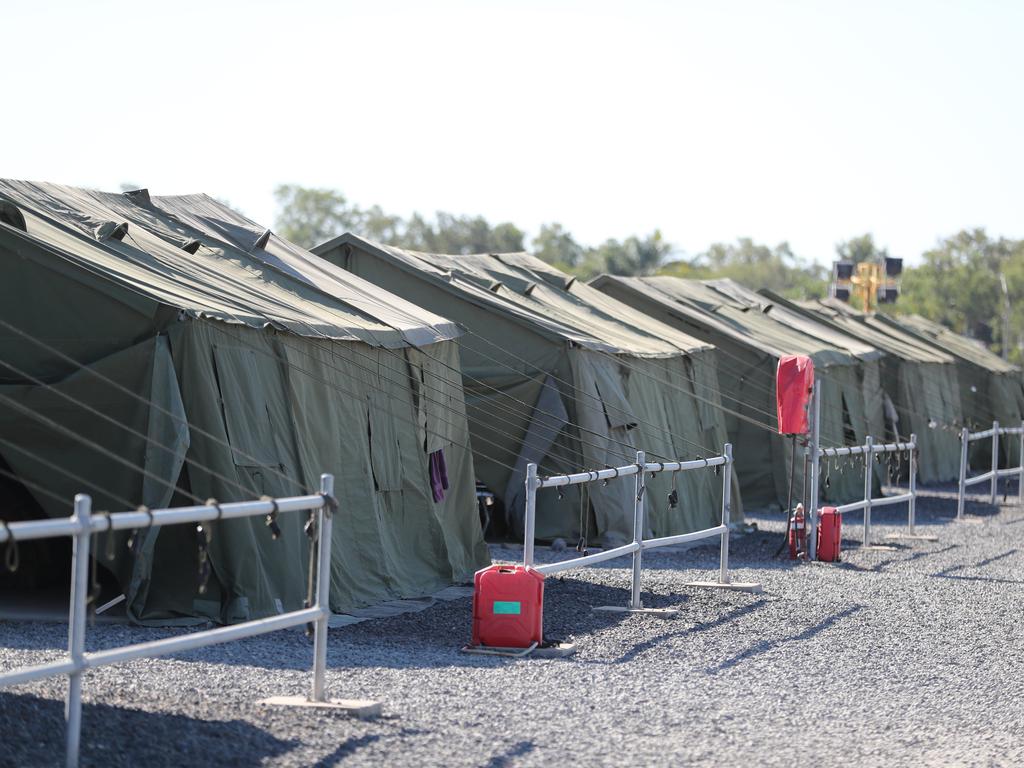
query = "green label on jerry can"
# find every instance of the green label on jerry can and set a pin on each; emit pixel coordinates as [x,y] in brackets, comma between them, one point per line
[508,606]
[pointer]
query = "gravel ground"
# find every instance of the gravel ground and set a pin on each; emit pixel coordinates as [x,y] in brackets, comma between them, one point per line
[905,657]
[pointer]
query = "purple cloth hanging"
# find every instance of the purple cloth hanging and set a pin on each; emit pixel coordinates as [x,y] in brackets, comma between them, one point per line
[438,475]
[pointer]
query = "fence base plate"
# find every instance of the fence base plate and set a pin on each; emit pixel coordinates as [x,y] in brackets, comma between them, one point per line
[911,537]
[353,707]
[877,548]
[665,613]
[735,586]
[553,650]
[971,519]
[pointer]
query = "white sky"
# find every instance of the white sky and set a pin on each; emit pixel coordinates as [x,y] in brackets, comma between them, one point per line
[802,121]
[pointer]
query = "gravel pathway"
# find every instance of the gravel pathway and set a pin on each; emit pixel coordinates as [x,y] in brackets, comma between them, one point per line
[913,656]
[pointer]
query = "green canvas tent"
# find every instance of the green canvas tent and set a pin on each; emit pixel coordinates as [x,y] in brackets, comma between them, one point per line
[567,379]
[157,350]
[919,382]
[750,334]
[991,389]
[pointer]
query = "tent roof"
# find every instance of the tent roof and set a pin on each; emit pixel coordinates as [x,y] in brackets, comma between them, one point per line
[197,255]
[866,328]
[722,306]
[535,294]
[966,349]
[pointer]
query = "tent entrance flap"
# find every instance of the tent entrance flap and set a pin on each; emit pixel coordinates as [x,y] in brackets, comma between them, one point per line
[547,420]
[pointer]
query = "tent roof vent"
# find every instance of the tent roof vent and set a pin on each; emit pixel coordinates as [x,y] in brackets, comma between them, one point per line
[12,216]
[109,230]
[262,240]
[139,196]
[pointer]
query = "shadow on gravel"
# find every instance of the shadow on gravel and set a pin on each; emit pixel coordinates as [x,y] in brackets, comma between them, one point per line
[726,618]
[884,565]
[348,748]
[768,645]
[33,734]
[505,759]
[950,573]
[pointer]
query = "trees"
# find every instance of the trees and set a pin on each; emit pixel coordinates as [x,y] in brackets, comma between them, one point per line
[556,246]
[309,217]
[632,256]
[759,266]
[861,248]
[959,286]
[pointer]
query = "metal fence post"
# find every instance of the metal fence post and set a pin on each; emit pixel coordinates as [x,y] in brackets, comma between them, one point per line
[1020,475]
[723,576]
[531,514]
[965,436]
[638,528]
[76,625]
[869,457]
[323,589]
[995,462]
[815,451]
[913,482]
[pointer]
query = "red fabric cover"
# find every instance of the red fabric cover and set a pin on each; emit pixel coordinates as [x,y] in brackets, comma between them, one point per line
[794,380]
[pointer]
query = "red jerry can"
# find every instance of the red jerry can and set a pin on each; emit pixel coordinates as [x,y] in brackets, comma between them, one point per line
[830,526]
[794,381]
[508,606]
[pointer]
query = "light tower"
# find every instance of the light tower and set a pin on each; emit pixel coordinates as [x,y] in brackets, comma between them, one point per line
[867,284]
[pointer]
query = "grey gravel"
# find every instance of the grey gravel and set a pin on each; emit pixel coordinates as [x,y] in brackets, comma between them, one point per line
[905,657]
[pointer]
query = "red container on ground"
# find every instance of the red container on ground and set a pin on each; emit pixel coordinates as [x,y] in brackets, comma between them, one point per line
[830,527]
[508,606]
[794,380]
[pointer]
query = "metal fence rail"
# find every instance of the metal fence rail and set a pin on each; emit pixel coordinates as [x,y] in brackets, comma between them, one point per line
[992,476]
[82,525]
[636,548]
[869,450]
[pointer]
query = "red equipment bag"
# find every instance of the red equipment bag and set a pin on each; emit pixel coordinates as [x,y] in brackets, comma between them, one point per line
[830,526]
[794,381]
[508,606]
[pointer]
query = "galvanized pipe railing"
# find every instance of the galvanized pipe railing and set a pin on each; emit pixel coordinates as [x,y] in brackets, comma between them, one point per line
[82,524]
[870,449]
[992,476]
[639,544]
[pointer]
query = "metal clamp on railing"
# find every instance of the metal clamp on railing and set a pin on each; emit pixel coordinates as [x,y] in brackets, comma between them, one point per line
[638,545]
[992,476]
[81,525]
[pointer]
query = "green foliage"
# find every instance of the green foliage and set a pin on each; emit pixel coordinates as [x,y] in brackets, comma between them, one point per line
[632,256]
[556,246]
[759,266]
[958,285]
[309,217]
[862,248]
